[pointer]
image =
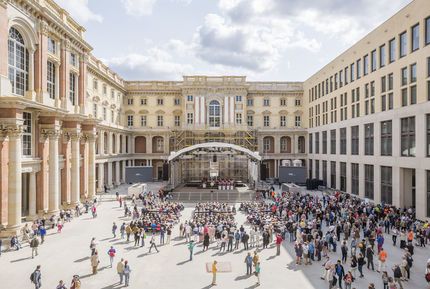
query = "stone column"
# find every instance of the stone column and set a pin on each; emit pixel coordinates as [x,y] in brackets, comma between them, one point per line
[53,135]
[14,133]
[82,81]
[123,171]
[117,174]
[32,195]
[91,165]
[109,175]
[75,175]
[101,173]
[109,141]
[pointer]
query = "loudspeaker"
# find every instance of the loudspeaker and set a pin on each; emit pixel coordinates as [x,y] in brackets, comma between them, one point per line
[165,172]
[263,172]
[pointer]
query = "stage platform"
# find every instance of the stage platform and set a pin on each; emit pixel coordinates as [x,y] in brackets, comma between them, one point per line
[194,195]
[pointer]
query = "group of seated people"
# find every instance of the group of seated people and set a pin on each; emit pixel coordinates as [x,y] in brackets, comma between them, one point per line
[214,213]
[220,184]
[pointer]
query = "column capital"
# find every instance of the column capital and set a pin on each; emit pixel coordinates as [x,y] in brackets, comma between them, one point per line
[44,27]
[51,133]
[90,136]
[11,127]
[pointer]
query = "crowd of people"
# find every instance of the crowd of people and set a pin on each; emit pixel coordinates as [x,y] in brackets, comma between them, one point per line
[320,226]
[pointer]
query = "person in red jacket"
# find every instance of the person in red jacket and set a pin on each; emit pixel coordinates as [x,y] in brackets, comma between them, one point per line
[278,244]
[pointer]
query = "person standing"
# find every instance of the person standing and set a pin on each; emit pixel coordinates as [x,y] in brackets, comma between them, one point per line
[114,227]
[120,270]
[257,273]
[122,230]
[61,285]
[93,245]
[381,261]
[206,242]
[42,233]
[76,283]
[340,272]
[191,249]
[214,271]
[248,262]
[369,255]
[95,262]
[36,278]
[169,234]
[397,272]
[34,244]
[127,271]
[360,263]
[152,242]
[111,252]
[278,244]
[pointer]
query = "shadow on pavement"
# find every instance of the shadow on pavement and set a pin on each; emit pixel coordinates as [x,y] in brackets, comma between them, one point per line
[19,260]
[82,259]
[243,277]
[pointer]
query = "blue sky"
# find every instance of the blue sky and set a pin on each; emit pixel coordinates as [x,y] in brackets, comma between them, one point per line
[279,40]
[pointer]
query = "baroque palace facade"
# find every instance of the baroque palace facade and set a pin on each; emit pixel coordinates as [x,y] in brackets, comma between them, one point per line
[69,125]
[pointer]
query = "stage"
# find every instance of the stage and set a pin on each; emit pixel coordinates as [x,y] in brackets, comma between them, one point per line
[194,194]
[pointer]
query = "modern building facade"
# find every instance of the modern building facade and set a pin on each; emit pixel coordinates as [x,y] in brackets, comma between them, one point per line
[368,114]
[69,125]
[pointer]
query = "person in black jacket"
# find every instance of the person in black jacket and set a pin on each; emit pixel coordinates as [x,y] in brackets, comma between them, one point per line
[245,239]
[360,263]
[369,255]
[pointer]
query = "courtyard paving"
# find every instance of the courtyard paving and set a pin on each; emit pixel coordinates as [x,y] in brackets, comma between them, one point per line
[67,253]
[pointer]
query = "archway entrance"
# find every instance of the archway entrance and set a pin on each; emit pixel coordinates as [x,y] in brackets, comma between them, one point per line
[208,163]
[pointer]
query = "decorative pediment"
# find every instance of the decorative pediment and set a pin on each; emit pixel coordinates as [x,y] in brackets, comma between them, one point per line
[250,112]
[267,112]
[298,112]
[283,112]
[113,106]
[96,98]
[159,111]
[143,111]
[105,103]
[129,111]
[177,111]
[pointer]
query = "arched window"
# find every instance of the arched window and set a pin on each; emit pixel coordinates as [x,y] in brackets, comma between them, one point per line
[18,59]
[214,114]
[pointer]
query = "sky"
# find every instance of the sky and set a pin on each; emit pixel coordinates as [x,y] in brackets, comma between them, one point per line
[265,40]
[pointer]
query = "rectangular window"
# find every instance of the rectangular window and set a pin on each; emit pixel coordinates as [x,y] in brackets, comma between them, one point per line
[386,185]
[72,88]
[428,190]
[283,120]
[408,136]
[354,140]
[238,118]
[343,141]
[27,134]
[427,32]
[160,120]
[343,177]
[130,101]
[413,94]
[298,102]
[415,37]
[368,139]
[413,72]
[177,101]
[354,178]
[298,121]
[366,64]
[386,138]
[130,119]
[392,52]
[428,135]
[368,182]
[190,118]
[283,102]
[333,175]
[333,141]
[266,120]
[143,101]
[324,172]
[390,100]
[189,98]
[250,102]
[346,75]
[403,44]
[95,110]
[324,142]
[352,71]
[52,46]
[51,80]
[160,101]
[104,113]
[266,102]
[317,142]
[112,94]
[177,120]
[317,169]
[250,120]
[404,75]
[238,98]
[143,120]
[390,81]
[382,55]
[73,59]
[373,60]
[311,143]
[383,84]
[358,68]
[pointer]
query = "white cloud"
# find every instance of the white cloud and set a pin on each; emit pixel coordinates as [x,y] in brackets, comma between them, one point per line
[79,10]
[139,7]
[157,63]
